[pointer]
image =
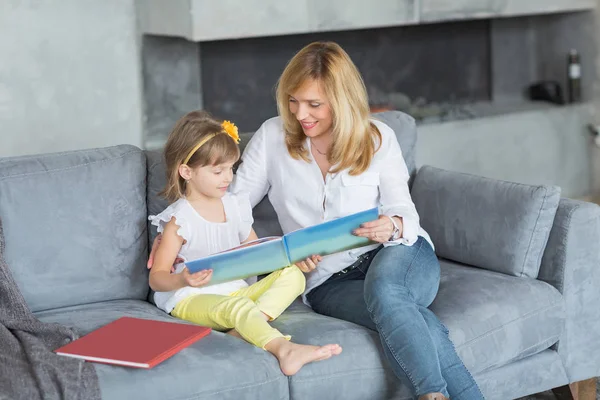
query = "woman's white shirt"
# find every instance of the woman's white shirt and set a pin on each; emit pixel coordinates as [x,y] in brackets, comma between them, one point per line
[302,198]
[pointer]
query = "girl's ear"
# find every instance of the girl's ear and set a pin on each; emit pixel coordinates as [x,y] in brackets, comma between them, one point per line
[185,172]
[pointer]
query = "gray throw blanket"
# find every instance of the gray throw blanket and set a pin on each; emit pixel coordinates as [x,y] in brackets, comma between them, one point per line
[28,367]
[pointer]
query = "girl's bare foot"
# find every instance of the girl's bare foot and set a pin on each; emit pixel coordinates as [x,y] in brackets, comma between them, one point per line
[293,356]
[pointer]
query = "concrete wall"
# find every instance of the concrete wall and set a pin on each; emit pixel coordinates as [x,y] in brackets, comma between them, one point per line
[546,146]
[70,75]
[70,78]
[549,145]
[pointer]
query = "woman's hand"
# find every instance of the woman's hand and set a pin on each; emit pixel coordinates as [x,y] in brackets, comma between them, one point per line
[379,230]
[197,279]
[309,264]
[155,244]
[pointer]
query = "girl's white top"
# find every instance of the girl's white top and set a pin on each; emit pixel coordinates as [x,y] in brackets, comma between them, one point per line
[302,198]
[203,238]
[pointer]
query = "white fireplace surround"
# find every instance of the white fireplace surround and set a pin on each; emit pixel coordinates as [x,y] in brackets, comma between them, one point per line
[204,20]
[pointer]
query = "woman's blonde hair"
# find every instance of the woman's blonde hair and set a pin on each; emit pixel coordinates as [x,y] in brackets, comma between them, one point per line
[354,135]
[188,131]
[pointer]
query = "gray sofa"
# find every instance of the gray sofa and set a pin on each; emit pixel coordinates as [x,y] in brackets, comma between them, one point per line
[519,293]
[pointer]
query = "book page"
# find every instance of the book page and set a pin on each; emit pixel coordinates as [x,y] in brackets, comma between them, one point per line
[252,243]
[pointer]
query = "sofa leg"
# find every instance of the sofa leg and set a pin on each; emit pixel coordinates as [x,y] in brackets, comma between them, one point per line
[582,390]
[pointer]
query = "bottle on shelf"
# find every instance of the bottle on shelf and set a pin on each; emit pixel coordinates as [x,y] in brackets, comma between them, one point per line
[574,77]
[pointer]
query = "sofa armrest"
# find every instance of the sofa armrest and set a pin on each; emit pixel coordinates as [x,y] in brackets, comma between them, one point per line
[571,263]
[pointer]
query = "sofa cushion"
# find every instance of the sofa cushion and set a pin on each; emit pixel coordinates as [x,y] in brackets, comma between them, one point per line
[218,366]
[75,225]
[359,372]
[496,225]
[494,318]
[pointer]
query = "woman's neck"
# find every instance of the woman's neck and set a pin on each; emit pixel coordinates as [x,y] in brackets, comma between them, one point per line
[322,143]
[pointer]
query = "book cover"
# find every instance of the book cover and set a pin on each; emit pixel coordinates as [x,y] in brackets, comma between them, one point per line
[134,342]
[272,253]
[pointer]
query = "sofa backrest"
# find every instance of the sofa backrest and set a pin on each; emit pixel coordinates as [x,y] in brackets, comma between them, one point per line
[75,225]
[265,219]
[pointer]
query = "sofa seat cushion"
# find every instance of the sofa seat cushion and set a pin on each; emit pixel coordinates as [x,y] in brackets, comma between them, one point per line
[359,372]
[494,318]
[217,366]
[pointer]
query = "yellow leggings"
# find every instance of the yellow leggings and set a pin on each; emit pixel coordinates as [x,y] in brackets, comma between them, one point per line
[243,309]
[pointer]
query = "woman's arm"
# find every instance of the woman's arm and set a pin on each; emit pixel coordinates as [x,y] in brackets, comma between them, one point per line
[251,176]
[395,195]
[395,200]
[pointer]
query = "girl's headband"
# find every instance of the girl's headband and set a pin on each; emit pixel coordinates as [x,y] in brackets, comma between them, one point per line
[228,128]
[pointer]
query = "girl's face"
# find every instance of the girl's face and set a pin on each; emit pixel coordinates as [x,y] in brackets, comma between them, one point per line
[210,181]
[312,109]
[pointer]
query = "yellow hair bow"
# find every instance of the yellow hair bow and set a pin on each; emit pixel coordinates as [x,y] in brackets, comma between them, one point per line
[229,129]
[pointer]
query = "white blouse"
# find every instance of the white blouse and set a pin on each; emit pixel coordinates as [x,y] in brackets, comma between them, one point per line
[301,197]
[204,238]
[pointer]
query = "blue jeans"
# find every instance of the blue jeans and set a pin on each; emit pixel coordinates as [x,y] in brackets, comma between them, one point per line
[388,290]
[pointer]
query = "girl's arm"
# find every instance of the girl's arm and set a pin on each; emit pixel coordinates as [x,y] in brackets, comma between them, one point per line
[252,236]
[161,279]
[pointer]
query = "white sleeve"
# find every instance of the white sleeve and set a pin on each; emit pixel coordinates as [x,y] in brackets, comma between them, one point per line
[245,213]
[162,219]
[394,193]
[252,174]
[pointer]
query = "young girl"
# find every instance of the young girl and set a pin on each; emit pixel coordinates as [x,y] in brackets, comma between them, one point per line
[204,219]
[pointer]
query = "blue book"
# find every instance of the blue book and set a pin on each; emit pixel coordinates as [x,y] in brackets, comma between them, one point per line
[272,253]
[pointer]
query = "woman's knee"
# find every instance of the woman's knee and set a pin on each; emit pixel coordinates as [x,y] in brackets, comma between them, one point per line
[385,291]
[412,272]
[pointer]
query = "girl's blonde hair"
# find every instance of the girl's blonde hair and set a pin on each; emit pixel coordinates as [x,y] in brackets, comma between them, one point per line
[188,131]
[353,133]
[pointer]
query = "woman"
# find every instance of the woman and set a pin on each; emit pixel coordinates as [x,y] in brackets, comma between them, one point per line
[324,158]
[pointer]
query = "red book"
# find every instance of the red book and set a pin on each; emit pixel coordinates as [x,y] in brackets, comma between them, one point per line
[134,342]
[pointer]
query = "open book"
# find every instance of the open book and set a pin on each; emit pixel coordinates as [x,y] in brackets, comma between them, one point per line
[272,253]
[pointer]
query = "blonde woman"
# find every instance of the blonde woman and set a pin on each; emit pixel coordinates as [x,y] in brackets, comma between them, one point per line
[323,157]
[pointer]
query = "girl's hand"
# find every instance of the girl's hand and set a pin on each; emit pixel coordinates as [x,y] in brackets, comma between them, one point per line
[155,245]
[197,279]
[379,230]
[309,264]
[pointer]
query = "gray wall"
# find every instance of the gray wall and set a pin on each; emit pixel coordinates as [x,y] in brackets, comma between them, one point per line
[546,146]
[70,78]
[70,75]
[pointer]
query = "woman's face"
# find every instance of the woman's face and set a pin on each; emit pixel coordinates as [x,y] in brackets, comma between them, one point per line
[312,109]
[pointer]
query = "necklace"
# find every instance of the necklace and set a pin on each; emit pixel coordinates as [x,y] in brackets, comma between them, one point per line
[317,149]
